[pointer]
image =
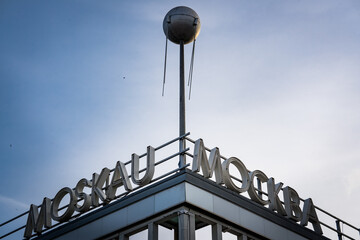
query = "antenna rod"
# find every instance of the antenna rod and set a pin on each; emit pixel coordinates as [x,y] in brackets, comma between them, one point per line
[181,26]
[182,143]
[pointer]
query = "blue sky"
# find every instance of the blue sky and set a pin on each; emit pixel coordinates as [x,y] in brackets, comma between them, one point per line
[275,83]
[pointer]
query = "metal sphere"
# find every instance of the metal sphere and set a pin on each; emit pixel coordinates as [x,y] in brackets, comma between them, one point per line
[181,24]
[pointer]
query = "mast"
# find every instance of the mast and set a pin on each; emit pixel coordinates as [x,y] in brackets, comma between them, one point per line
[181,26]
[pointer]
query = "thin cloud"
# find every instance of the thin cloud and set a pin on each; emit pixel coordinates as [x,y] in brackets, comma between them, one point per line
[13,203]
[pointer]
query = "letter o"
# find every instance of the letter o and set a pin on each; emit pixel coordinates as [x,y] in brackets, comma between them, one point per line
[56,202]
[243,172]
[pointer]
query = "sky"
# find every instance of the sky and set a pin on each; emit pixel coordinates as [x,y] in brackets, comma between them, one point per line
[275,83]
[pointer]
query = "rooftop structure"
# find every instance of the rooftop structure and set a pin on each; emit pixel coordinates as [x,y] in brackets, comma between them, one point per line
[141,198]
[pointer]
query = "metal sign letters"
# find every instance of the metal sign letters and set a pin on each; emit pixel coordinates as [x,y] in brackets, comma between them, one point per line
[103,189]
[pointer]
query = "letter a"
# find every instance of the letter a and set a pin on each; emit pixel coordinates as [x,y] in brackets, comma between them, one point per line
[120,178]
[309,215]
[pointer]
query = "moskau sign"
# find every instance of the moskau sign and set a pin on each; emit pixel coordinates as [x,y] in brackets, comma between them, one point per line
[37,220]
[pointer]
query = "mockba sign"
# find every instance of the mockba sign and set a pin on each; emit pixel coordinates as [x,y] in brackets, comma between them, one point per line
[103,188]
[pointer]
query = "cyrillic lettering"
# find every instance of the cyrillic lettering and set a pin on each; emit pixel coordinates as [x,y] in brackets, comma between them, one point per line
[252,192]
[292,204]
[207,166]
[243,172]
[274,200]
[309,215]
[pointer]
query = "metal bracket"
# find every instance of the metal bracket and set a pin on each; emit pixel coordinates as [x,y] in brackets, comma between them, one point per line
[184,211]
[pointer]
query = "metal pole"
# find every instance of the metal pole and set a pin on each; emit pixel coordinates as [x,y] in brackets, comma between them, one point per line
[182,145]
[338,229]
[153,231]
[216,232]
[259,187]
[186,225]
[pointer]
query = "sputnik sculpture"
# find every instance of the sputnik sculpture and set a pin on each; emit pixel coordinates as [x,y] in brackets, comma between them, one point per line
[181,26]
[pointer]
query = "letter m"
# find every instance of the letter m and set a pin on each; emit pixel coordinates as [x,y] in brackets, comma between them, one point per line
[36,220]
[207,166]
